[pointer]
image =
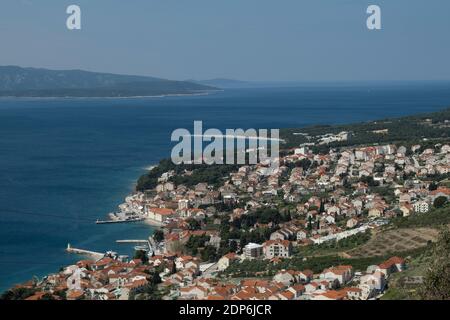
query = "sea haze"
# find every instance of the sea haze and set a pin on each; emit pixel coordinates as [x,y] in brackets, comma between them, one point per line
[66,162]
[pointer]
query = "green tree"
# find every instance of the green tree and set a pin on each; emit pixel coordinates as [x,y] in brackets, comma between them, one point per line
[322,207]
[310,226]
[439,202]
[142,255]
[233,246]
[158,235]
[193,224]
[209,254]
[433,186]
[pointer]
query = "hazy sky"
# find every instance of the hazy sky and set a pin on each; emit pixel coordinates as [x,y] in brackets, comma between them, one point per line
[309,40]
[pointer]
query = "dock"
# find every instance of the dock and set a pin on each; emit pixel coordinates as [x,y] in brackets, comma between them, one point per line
[94,254]
[152,247]
[131,241]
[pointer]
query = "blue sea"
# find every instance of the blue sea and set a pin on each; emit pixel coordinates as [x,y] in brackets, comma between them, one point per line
[66,162]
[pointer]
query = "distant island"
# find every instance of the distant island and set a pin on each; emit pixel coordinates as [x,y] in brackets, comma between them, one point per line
[33,82]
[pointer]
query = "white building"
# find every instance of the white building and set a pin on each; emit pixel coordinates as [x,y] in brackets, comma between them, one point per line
[421,207]
[253,251]
[277,248]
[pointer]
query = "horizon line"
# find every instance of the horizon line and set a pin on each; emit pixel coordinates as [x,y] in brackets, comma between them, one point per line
[219,78]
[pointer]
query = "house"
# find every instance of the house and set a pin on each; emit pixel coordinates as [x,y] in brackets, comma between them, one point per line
[277,248]
[102,263]
[305,276]
[376,211]
[193,292]
[201,188]
[404,198]
[351,223]
[286,277]
[165,187]
[311,287]
[183,204]
[159,214]
[330,295]
[301,234]
[362,292]
[283,234]
[136,284]
[406,209]
[74,295]
[286,295]
[376,280]
[279,235]
[394,264]
[353,293]
[342,273]
[297,290]
[253,251]
[226,260]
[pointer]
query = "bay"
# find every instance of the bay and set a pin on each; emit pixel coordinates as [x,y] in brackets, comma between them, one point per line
[66,162]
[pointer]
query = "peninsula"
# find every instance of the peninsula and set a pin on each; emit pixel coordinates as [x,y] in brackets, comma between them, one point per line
[32,82]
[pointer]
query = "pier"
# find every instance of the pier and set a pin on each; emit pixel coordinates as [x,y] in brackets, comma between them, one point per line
[94,254]
[131,241]
[152,246]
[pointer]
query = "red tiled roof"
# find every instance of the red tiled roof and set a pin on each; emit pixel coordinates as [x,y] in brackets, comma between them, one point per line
[284,243]
[443,190]
[36,296]
[335,295]
[162,211]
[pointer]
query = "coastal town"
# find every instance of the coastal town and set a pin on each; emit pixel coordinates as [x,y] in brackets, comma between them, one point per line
[253,233]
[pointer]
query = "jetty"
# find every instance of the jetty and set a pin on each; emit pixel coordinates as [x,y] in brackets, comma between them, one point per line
[94,254]
[129,219]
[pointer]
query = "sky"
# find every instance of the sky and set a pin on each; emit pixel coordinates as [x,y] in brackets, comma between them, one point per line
[262,40]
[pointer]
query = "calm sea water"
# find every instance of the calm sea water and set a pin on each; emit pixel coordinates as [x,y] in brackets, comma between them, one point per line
[66,162]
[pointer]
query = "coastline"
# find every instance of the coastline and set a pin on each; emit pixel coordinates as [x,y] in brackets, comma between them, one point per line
[152,223]
[169,95]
